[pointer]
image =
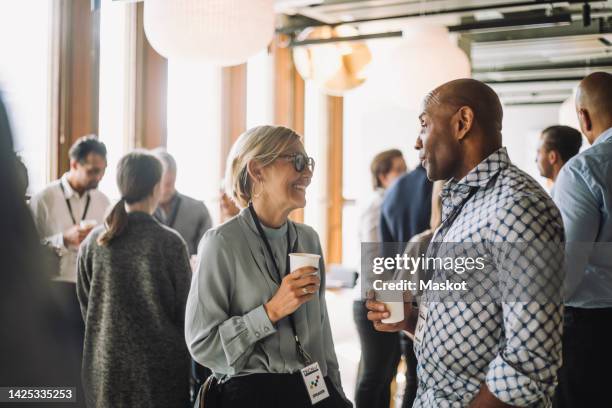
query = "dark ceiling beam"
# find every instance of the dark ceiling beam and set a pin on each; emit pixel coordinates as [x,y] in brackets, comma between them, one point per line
[361,37]
[296,26]
[576,28]
[529,103]
[529,80]
[506,29]
[512,22]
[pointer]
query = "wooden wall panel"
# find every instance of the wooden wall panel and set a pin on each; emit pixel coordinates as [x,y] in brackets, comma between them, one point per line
[288,90]
[233,107]
[79,54]
[335,108]
[151,124]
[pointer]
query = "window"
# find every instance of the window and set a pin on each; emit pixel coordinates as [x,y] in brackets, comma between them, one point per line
[260,86]
[25,81]
[114,111]
[194,130]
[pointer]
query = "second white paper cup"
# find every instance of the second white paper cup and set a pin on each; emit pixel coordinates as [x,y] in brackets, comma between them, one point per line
[300,260]
[394,301]
[396,312]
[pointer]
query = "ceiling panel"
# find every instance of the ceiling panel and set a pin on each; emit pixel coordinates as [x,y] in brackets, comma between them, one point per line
[334,12]
[526,64]
[508,54]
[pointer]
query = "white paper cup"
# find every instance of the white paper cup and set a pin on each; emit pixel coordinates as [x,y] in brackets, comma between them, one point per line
[394,301]
[396,312]
[300,260]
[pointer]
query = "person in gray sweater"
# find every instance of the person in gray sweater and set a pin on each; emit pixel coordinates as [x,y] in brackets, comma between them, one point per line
[132,285]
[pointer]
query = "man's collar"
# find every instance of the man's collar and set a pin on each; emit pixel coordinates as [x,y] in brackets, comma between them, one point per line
[605,136]
[66,187]
[161,213]
[480,175]
[172,201]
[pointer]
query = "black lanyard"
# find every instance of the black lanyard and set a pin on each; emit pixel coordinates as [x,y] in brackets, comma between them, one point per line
[448,222]
[435,243]
[301,352]
[70,206]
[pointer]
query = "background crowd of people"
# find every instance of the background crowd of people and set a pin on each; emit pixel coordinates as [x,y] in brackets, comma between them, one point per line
[139,302]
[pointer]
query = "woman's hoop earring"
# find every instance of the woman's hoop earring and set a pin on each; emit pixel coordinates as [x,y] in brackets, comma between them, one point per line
[262,188]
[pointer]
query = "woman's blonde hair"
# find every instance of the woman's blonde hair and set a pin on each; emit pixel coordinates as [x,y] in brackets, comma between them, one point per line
[263,144]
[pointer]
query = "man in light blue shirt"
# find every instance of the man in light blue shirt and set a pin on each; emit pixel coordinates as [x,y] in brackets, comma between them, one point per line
[583,193]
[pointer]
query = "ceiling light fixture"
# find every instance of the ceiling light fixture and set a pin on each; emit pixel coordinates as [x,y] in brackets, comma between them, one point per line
[221,32]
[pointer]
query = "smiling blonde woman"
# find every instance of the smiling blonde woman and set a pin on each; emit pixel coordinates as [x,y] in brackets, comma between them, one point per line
[251,321]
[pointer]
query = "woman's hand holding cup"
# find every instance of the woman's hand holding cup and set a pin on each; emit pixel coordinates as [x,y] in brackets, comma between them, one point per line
[296,289]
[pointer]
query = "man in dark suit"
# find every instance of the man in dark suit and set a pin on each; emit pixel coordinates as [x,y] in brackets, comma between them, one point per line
[406,209]
[405,212]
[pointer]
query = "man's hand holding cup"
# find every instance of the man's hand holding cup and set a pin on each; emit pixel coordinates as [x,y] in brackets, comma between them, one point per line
[379,311]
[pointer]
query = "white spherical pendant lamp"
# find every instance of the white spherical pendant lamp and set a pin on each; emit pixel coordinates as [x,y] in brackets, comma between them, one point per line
[221,32]
[425,59]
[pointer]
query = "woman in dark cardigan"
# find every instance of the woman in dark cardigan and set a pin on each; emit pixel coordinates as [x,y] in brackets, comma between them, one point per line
[133,281]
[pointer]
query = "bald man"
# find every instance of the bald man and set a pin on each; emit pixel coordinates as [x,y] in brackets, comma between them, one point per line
[583,193]
[482,349]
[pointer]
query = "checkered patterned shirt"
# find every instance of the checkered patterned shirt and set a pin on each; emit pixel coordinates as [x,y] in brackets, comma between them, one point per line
[512,346]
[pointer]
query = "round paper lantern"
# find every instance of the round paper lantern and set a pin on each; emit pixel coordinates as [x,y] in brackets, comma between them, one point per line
[425,59]
[222,32]
[335,67]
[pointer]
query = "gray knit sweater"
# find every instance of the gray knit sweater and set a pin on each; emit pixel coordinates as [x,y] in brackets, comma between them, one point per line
[132,295]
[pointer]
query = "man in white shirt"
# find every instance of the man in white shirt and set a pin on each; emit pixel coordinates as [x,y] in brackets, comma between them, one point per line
[65,212]
[67,209]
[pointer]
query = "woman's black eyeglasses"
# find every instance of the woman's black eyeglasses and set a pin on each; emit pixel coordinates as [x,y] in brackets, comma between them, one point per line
[300,161]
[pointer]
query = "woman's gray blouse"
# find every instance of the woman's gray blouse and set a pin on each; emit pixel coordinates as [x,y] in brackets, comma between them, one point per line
[226,326]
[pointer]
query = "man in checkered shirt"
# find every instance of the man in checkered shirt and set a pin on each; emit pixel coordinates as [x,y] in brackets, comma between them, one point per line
[502,349]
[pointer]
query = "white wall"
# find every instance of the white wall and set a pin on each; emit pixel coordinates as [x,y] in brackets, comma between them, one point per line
[194,126]
[522,126]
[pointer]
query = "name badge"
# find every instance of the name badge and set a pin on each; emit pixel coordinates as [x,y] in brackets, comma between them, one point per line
[315,383]
[420,326]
